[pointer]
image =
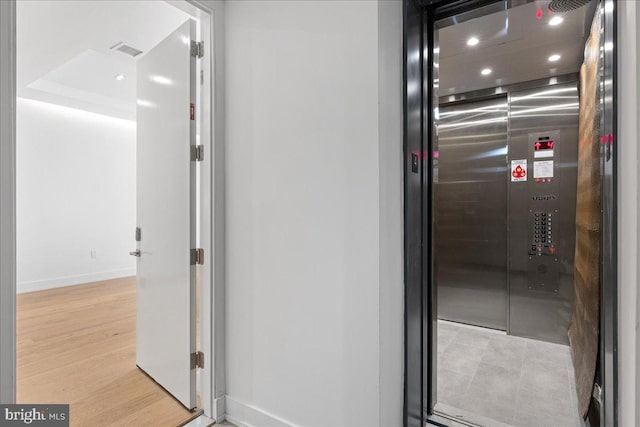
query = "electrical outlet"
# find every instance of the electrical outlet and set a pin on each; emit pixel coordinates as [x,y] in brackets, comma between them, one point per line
[93,253]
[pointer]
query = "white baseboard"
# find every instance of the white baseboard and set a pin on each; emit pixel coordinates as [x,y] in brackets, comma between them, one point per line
[59,282]
[219,409]
[245,415]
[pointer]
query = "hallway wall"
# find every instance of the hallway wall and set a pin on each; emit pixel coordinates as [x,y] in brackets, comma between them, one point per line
[314,213]
[628,213]
[75,191]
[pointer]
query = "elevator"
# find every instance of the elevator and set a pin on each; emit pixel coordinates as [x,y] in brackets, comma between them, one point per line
[509,129]
[504,208]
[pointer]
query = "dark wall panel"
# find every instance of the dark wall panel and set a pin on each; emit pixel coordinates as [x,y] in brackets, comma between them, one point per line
[413,214]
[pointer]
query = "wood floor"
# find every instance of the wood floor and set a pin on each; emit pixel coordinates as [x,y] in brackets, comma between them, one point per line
[77,345]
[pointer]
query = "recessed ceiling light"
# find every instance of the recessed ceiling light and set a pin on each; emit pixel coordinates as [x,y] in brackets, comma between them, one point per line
[473,41]
[554,58]
[486,71]
[120,77]
[556,20]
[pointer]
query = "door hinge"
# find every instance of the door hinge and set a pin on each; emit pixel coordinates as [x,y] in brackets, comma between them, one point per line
[197,153]
[197,256]
[197,49]
[197,360]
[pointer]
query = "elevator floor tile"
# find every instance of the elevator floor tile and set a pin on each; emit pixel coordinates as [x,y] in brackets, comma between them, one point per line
[492,379]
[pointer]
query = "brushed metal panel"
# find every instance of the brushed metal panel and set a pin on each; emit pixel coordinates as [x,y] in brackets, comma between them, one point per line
[470,232]
[541,283]
[414,350]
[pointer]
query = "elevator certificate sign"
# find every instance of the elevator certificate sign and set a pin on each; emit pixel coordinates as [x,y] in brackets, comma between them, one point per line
[518,170]
[543,169]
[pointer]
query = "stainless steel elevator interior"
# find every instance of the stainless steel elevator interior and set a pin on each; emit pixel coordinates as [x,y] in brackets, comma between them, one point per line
[505,192]
[504,177]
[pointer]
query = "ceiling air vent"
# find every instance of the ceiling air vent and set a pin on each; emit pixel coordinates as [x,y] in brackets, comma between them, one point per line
[566,5]
[126,49]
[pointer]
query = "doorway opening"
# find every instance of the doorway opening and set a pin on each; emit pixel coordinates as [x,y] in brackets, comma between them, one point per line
[509,130]
[93,79]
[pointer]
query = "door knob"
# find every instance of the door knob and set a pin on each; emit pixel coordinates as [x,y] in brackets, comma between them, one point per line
[135,253]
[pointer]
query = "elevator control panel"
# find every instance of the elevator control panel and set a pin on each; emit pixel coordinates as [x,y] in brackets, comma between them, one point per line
[545,198]
[542,209]
[542,233]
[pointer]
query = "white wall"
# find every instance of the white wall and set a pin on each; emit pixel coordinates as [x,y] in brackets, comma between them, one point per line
[629,213]
[75,191]
[390,161]
[314,213]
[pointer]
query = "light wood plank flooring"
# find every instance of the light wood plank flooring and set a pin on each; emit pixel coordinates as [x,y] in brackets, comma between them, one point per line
[77,345]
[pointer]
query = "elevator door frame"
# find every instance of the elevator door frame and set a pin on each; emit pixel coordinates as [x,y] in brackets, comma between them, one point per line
[419,17]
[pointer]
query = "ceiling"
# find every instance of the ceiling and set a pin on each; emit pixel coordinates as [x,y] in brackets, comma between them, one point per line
[64,54]
[515,44]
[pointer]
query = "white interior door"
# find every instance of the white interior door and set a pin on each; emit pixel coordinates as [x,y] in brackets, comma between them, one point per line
[165,330]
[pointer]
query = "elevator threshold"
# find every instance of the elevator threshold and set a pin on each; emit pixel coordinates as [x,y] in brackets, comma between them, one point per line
[471,326]
[449,416]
